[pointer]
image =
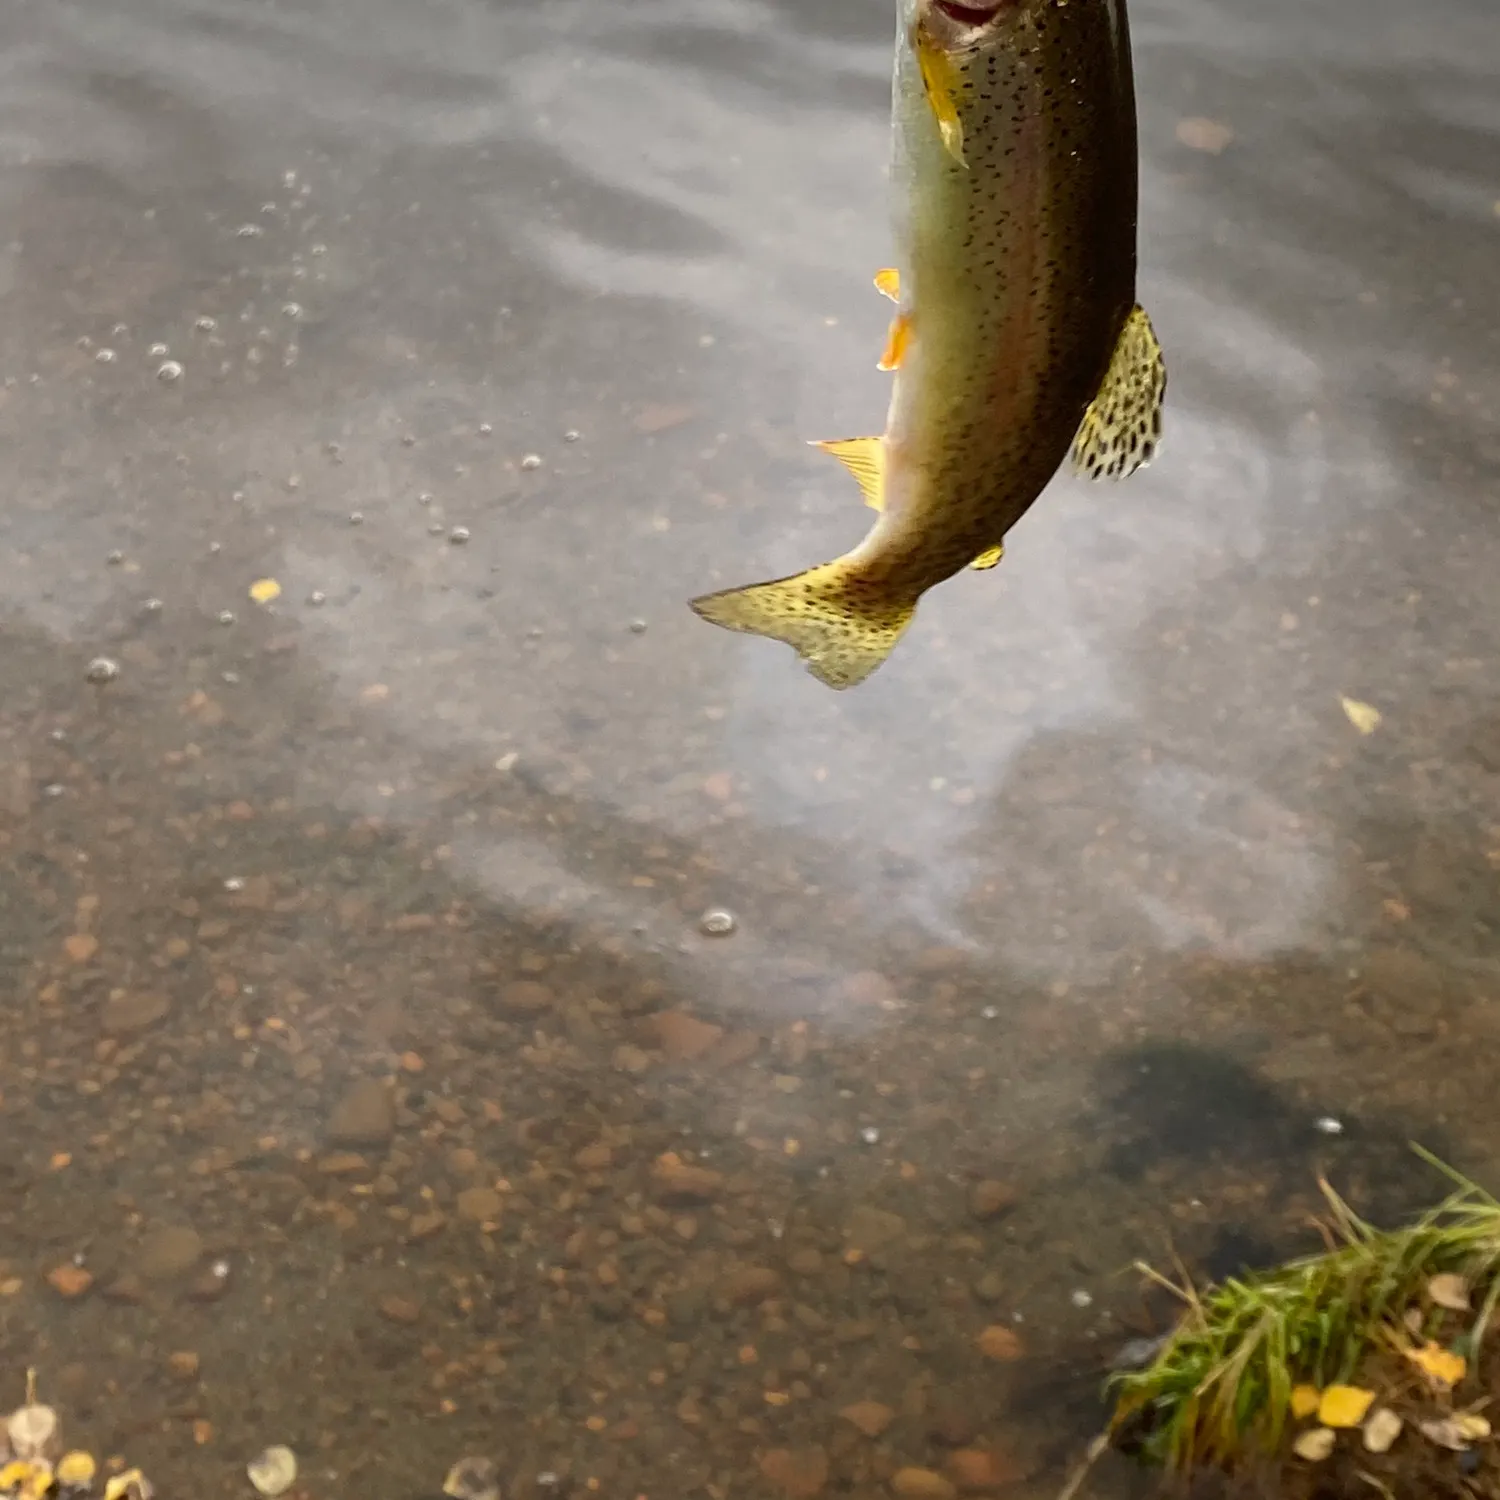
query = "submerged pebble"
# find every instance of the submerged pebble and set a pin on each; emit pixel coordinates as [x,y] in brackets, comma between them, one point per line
[274,1471]
[102,669]
[717,922]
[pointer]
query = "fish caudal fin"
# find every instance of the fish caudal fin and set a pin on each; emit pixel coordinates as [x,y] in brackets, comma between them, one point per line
[842,626]
[1121,430]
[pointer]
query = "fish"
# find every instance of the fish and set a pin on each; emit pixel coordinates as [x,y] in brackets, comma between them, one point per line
[1017,338]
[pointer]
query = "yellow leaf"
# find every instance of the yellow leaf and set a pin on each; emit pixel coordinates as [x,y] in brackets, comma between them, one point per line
[1442,1367]
[1315,1444]
[1305,1399]
[264,590]
[1362,716]
[1472,1425]
[1344,1406]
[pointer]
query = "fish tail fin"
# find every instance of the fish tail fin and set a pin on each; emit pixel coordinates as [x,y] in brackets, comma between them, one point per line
[840,623]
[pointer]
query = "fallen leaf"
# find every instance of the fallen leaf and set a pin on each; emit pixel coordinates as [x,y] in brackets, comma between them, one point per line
[1305,1399]
[999,1342]
[1445,1432]
[1441,1366]
[1472,1425]
[1315,1444]
[1382,1429]
[264,590]
[1204,135]
[1344,1406]
[1449,1291]
[1362,716]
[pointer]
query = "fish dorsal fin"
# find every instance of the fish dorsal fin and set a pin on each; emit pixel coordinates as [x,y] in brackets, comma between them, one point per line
[897,342]
[940,82]
[988,558]
[865,459]
[888,282]
[1121,430]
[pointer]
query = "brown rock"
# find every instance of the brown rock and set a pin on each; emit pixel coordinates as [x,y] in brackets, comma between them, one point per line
[799,1473]
[424,1226]
[80,947]
[400,1309]
[127,1011]
[980,1469]
[594,1158]
[364,1116]
[999,1342]
[183,1364]
[129,1289]
[525,997]
[69,1281]
[674,1181]
[870,1417]
[681,1036]
[805,1262]
[922,1484]
[480,1204]
[950,1425]
[342,1164]
[168,1252]
[869,1228]
[747,1285]
[989,1199]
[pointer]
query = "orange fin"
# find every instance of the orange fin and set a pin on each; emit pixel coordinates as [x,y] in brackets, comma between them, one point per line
[988,558]
[888,281]
[897,342]
[865,459]
[940,82]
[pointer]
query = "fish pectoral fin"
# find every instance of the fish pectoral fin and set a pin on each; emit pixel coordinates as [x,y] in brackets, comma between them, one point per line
[888,282]
[897,342]
[1121,430]
[940,83]
[864,458]
[988,558]
[842,625]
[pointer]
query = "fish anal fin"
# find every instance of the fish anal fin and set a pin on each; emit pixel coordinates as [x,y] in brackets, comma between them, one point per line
[988,558]
[888,282]
[897,342]
[940,83]
[1121,430]
[864,457]
[841,624]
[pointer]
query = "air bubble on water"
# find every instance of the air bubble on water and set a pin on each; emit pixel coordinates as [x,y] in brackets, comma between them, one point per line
[870,1135]
[102,669]
[153,606]
[459,535]
[237,496]
[294,481]
[637,627]
[990,1012]
[120,330]
[85,342]
[291,310]
[289,178]
[234,883]
[434,528]
[158,351]
[572,435]
[320,250]
[532,461]
[104,356]
[317,597]
[1081,1299]
[206,324]
[58,736]
[254,355]
[717,922]
[249,231]
[230,677]
[215,548]
[356,518]
[226,617]
[268,208]
[169,372]
[424,498]
[289,358]
[54,789]
[115,558]
[1328,1125]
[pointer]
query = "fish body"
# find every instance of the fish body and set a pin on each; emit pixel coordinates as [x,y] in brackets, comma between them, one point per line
[1017,335]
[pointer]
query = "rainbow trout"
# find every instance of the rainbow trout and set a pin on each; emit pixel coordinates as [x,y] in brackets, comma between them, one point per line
[1017,335]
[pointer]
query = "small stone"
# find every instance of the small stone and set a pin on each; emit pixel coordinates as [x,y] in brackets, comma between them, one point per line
[747,1285]
[80,947]
[677,1182]
[799,1473]
[1315,1444]
[999,1342]
[990,1287]
[364,1116]
[868,1228]
[532,461]
[717,922]
[1382,1428]
[525,997]
[168,1252]
[805,1262]
[274,1471]
[70,1281]
[481,1205]
[595,1158]
[979,1469]
[342,1164]
[989,1199]
[473,1479]
[405,1310]
[683,1037]
[921,1484]
[424,1226]
[102,669]
[183,1364]
[869,1417]
[133,1010]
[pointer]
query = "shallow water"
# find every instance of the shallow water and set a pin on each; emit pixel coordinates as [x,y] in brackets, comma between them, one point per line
[1094,892]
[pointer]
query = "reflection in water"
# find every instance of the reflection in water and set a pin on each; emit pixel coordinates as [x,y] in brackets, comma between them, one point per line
[628,1201]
